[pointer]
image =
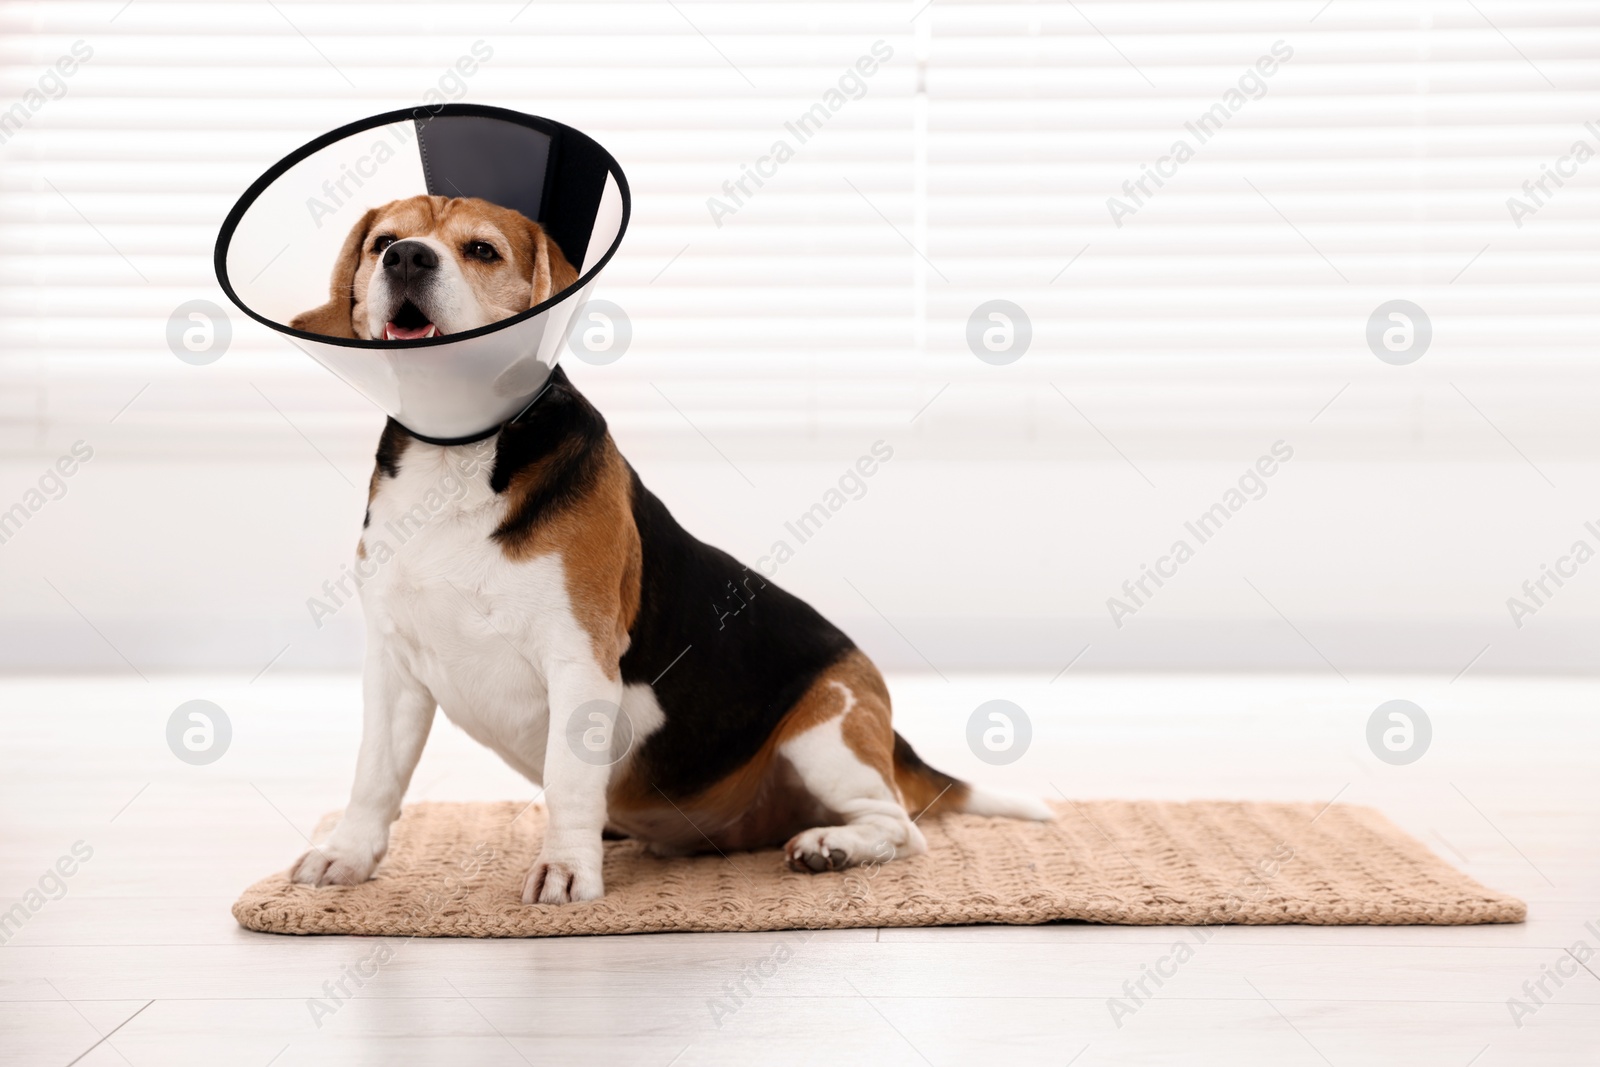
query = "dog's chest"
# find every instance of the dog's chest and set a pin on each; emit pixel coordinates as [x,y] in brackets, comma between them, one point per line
[473,626]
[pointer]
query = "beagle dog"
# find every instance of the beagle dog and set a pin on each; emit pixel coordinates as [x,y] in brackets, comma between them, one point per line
[553,608]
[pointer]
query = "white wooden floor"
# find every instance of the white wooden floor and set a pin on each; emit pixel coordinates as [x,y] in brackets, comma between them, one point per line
[139,962]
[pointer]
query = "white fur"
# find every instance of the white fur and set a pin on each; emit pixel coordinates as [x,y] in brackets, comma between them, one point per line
[495,644]
[876,827]
[1006,805]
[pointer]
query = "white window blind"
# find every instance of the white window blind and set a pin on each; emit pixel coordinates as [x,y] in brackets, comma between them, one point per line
[975,163]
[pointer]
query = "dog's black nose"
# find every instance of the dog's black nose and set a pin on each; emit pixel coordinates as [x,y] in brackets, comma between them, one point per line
[405,259]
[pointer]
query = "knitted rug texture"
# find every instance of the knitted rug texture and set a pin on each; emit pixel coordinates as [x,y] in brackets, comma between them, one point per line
[456,870]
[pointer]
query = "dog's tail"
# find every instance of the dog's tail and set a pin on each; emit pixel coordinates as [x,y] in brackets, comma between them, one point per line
[927,791]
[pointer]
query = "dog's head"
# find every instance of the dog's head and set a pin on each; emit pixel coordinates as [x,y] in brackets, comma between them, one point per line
[433,265]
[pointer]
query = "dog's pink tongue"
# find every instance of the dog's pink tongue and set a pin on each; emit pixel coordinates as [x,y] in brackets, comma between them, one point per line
[391,332]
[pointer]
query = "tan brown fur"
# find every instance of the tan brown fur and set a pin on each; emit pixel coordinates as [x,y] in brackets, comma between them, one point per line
[599,547]
[866,729]
[336,318]
[926,792]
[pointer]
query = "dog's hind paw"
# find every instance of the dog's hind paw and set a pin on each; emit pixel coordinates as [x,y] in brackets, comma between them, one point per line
[833,848]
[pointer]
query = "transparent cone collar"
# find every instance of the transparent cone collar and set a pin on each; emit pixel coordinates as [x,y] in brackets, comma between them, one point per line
[279,244]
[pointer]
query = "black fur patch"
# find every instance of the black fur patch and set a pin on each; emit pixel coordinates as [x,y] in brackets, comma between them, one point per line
[752,652]
[562,429]
[391,446]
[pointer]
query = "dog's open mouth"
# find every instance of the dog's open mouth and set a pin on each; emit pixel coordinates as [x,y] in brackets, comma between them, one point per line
[408,324]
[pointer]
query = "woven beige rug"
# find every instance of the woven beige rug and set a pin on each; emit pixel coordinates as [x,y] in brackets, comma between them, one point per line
[456,870]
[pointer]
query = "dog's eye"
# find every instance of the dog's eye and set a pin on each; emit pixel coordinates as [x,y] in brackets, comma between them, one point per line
[382,242]
[482,250]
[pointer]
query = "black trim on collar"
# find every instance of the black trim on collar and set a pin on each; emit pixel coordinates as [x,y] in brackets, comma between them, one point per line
[423,113]
[447,442]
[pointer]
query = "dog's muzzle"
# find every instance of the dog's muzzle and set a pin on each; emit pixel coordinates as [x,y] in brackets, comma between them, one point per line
[413,269]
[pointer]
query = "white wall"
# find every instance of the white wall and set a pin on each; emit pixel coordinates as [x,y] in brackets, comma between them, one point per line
[830,310]
[1392,565]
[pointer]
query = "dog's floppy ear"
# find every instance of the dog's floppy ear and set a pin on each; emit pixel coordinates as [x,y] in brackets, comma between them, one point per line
[333,319]
[551,271]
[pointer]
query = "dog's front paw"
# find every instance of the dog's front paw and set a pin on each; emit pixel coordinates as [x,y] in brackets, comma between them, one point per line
[336,863]
[564,878]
